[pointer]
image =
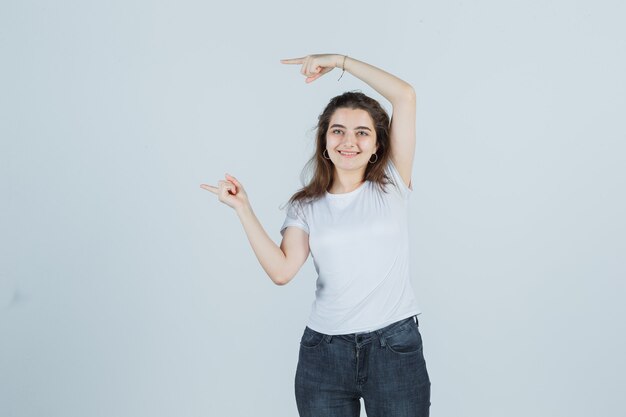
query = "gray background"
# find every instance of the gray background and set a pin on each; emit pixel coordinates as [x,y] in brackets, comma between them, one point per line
[127,290]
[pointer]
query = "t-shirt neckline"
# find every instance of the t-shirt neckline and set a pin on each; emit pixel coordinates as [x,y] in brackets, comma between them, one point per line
[349,193]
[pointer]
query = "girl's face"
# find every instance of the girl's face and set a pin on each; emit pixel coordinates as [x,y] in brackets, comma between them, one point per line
[351,130]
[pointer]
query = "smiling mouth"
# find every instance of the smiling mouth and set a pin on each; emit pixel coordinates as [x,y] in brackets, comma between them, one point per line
[347,153]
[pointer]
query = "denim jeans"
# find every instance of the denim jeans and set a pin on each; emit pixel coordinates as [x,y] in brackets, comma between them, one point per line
[385,367]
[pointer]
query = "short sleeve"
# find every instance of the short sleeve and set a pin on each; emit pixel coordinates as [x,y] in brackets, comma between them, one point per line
[397,179]
[295,217]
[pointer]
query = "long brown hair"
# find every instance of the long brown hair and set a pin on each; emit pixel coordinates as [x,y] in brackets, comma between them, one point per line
[322,168]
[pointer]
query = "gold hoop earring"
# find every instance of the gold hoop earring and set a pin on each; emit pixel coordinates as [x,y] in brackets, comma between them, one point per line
[325,153]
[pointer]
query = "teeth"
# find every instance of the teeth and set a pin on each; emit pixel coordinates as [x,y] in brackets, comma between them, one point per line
[347,153]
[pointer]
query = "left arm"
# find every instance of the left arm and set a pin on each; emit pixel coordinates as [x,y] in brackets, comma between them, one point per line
[400,94]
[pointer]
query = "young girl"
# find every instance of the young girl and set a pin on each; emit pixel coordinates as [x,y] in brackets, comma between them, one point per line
[362,338]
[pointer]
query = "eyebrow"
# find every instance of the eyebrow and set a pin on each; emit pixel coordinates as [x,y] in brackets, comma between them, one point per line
[356,128]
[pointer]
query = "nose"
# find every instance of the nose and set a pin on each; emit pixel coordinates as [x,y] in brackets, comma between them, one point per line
[349,138]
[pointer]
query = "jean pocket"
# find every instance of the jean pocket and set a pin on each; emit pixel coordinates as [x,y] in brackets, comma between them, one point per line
[311,338]
[405,341]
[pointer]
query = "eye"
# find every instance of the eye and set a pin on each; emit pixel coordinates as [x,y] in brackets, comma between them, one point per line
[364,132]
[336,130]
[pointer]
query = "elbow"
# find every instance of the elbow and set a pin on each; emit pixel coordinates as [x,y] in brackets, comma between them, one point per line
[282,275]
[409,92]
[404,95]
[280,281]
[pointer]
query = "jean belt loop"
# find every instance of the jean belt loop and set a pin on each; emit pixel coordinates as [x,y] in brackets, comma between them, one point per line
[328,338]
[381,338]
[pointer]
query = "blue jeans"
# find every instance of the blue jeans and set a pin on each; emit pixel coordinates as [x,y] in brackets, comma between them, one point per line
[385,367]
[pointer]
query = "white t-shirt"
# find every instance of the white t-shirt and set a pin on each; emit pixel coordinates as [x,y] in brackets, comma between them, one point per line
[359,243]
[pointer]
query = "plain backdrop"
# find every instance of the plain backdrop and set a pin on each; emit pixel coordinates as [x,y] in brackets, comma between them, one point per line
[127,290]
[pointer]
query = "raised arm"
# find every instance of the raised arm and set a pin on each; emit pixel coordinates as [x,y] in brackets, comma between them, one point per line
[399,93]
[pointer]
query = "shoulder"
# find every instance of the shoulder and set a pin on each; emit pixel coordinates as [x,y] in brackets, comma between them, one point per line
[393,174]
[299,206]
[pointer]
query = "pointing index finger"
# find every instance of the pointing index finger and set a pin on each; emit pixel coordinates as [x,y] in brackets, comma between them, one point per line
[209,188]
[292,61]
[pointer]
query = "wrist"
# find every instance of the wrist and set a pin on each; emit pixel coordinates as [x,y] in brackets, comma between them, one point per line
[340,61]
[244,210]
[343,66]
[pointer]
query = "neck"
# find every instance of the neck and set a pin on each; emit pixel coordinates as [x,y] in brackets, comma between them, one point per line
[346,181]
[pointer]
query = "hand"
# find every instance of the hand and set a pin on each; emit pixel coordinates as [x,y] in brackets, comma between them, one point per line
[229,192]
[314,66]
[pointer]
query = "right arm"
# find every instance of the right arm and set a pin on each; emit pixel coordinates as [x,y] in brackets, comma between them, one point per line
[282,263]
